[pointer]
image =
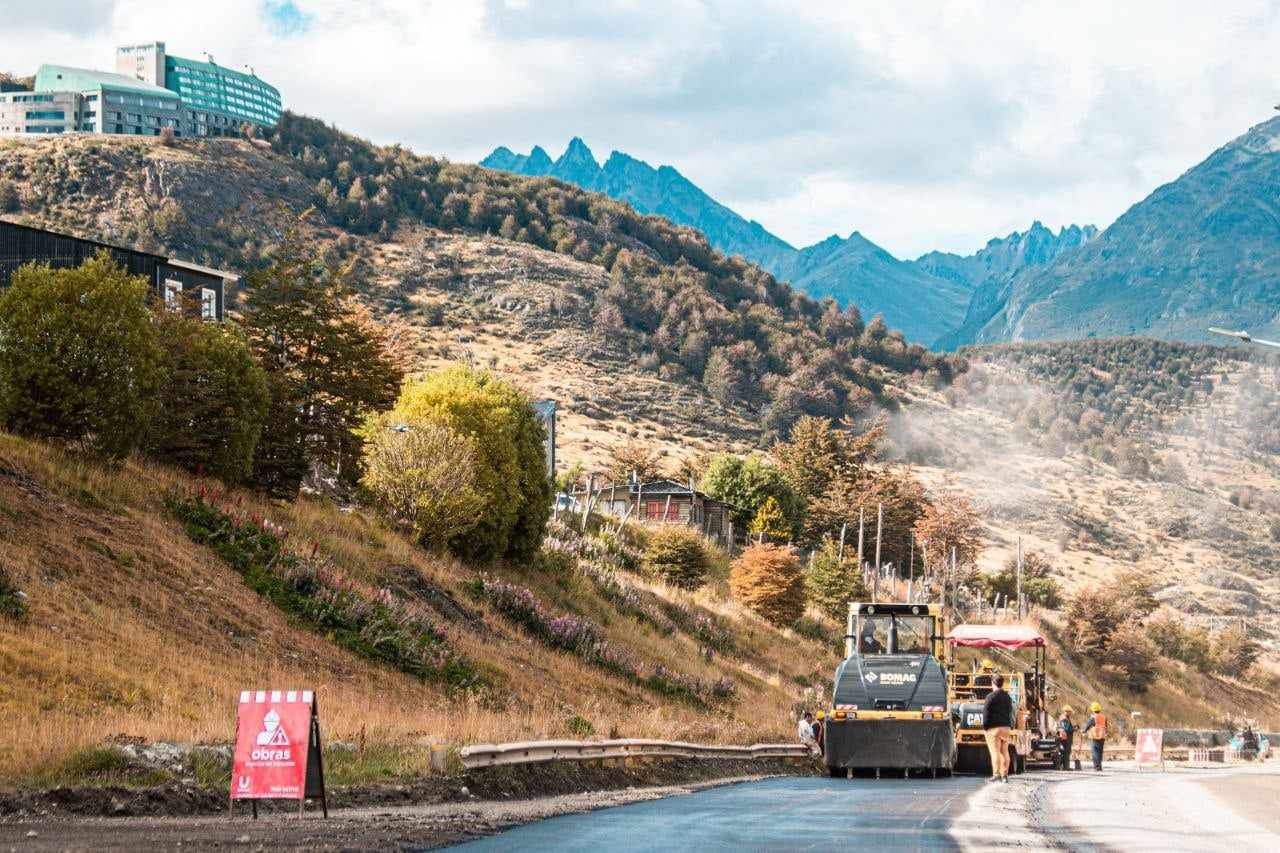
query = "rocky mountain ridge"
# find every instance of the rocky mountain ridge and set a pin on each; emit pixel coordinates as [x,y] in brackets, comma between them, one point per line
[929,299]
[1199,251]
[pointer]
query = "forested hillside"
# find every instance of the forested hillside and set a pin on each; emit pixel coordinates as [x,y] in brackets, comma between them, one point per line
[667,301]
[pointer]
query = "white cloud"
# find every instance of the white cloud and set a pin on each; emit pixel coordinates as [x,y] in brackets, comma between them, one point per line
[922,125]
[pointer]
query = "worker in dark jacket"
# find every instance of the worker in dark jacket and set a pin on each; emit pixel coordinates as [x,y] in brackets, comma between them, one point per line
[997,720]
[1066,738]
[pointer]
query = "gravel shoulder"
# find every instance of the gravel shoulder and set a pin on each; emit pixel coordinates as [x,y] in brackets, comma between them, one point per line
[1122,808]
[494,800]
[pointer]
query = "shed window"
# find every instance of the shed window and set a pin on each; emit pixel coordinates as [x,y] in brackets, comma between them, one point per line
[208,303]
[172,294]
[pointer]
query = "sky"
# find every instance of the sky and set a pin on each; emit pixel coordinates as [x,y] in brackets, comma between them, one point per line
[922,125]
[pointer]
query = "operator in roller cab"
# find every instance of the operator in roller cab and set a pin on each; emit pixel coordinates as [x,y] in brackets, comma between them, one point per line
[889,702]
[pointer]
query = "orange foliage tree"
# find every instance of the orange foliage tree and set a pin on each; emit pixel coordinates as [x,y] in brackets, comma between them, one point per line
[767,579]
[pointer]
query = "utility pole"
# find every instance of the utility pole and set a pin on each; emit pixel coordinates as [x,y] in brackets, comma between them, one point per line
[843,529]
[953,579]
[879,530]
[860,538]
[1019,577]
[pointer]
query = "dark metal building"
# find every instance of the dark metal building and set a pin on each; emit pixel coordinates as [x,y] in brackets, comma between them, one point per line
[179,283]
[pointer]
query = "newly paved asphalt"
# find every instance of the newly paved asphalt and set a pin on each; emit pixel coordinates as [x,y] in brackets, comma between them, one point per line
[776,814]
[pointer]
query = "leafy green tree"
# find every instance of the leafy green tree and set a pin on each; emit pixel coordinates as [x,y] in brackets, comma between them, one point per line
[423,475]
[213,401]
[79,359]
[746,482]
[1037,586]
[832,582]
[510,474]
[327,366]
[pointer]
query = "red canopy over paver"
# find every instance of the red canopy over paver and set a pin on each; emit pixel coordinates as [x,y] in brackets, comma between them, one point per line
[995,637]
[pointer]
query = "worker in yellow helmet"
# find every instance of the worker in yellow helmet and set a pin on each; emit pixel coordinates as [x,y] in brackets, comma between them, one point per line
[1096,729]
[820,730]
[1066,737]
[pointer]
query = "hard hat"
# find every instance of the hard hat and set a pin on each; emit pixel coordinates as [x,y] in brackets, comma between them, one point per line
[822,715]
[988,664]
[1095,707]
[1066,709]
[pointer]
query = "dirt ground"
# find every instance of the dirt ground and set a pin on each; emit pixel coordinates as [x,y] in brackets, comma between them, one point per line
[430,814]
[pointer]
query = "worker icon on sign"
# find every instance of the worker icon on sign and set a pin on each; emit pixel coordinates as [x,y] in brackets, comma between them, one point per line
[272,734]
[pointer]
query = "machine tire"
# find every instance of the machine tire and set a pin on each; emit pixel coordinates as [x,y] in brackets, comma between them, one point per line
[836,772]
[1021,764]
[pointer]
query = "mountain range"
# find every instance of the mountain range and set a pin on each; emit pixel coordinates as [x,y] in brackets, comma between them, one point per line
[1198,251]
[927,299]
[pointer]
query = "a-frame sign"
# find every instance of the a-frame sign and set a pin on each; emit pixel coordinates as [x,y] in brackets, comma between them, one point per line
[277,749]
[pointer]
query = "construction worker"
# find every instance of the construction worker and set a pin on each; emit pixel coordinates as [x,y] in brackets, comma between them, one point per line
[819,729]
[1096,729]
[997,720]
[1066,737]
[804,730]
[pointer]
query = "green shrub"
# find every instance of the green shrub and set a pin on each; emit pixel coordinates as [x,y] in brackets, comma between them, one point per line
[8,196]
[1187,643]
[677,556]
[422,475]
[213,401]
[79,359]
[12,600]
[510,473]
[767,578]
[832,583]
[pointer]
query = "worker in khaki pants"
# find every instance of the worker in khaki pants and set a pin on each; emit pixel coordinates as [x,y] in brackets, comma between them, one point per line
[997,719]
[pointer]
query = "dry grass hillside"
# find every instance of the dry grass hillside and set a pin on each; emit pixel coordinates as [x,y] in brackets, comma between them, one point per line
[133,630]
[1188,499]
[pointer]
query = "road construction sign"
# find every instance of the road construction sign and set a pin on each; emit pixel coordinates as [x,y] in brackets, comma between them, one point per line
[277,748]
[1148,748]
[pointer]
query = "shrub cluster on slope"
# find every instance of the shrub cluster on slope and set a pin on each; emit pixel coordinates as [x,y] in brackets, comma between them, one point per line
[582,638]
[372,623]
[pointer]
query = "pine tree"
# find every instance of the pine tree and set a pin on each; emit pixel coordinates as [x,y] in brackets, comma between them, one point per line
[327,366]
[832,582]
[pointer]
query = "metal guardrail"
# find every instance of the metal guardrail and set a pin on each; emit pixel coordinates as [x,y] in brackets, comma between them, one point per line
[493,755]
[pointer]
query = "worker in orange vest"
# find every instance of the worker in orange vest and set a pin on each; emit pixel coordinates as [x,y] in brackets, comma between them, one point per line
[1096,729]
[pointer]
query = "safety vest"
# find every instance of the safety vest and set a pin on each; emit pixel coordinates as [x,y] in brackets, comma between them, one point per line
[1099,730]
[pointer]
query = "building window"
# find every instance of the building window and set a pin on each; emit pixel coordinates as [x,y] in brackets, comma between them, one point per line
[173,294]
[208,303]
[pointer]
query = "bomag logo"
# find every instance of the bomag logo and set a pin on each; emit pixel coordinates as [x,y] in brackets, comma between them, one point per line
[891,678]
[272,742]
